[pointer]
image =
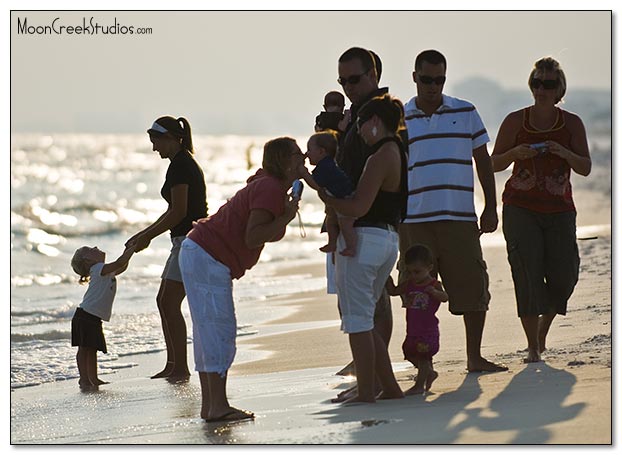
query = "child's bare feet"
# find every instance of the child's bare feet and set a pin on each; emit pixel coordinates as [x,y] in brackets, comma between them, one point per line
[328,248]
[430,379]
[348,252]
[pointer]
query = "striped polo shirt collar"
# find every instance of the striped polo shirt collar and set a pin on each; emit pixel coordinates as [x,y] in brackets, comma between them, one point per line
[412,108]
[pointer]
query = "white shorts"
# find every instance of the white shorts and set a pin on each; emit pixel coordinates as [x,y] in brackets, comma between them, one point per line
[361,278]
[209,289]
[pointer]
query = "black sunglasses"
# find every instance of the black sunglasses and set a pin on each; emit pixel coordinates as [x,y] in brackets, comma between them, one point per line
[548,84]
[352,80]
[439,80]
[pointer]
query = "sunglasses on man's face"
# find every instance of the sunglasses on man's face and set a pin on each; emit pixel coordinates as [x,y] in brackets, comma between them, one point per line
[547,84]
[352,80]
[427,80]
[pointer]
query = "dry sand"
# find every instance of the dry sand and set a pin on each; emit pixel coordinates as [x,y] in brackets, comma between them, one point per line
[564,400]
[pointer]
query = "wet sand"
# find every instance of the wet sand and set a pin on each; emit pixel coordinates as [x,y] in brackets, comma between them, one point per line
[566,399]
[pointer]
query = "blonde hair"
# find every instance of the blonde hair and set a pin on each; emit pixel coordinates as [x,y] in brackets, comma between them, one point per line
[327,140]
[550,64]
[81,266]
[277,155]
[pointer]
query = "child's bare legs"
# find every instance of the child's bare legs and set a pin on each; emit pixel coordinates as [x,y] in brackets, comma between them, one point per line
[346,226]
[426,375]
[84,381]
[87,367]
[432,375]
[333,232]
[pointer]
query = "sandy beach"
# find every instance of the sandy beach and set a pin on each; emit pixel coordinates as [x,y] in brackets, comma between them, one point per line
[290,378]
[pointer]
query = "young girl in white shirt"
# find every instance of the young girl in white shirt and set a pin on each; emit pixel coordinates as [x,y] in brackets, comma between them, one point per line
[86,325]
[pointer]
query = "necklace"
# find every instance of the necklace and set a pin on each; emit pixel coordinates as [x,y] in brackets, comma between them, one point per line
[531,122]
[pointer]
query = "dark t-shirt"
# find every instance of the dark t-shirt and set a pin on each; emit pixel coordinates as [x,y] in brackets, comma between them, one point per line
[328,175]
[328,121]
[184,170]
[353,151]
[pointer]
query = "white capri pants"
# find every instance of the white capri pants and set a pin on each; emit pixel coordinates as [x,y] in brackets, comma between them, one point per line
[209,290]
[361,278]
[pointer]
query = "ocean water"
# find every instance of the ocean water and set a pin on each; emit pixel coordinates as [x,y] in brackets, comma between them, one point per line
[73,190]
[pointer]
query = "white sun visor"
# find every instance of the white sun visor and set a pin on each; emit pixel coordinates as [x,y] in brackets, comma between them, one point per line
[159,128]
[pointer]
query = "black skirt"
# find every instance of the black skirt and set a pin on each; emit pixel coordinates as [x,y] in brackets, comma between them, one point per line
[87,332]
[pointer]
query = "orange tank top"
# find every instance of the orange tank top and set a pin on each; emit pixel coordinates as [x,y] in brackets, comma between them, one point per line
[542,183]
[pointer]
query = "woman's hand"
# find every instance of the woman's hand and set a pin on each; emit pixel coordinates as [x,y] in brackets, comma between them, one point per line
[132,240]
[558,149]
[523,152]
[290,209]
[140,243]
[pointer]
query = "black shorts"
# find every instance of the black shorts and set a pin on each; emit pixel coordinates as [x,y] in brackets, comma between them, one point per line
[87,332]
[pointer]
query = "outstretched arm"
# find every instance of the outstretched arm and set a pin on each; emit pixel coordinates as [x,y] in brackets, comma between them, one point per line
[176,212]
[120,265]
[307,177]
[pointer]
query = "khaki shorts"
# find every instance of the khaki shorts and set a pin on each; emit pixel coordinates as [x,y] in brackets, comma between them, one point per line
[171,268]
[457,259]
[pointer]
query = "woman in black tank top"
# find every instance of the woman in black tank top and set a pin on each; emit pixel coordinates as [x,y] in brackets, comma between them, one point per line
[378,203]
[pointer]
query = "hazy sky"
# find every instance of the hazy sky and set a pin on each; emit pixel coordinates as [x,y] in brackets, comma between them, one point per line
[267,72]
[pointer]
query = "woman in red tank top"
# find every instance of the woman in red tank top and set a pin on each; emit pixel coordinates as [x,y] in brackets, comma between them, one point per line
[544,144]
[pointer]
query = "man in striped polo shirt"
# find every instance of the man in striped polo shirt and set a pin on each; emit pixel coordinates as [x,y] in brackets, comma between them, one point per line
[445,135]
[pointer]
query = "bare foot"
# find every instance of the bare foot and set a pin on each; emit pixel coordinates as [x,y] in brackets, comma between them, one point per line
[85,384]
[328,248]
[415,390]
[179,374]
[100,382]
[532,356]
[166,372]
[482,365]
[344,395]
[348,252]
[232,415]
[430,379]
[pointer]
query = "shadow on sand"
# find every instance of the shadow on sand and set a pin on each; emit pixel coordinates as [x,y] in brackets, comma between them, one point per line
[531,401]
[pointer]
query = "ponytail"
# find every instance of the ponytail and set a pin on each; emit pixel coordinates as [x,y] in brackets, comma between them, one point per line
[186,135]
[179,128]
